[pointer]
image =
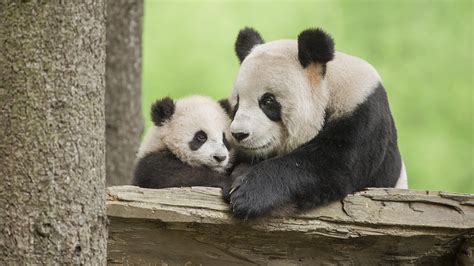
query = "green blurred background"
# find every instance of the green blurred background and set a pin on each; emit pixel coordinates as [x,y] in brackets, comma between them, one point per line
[423,50]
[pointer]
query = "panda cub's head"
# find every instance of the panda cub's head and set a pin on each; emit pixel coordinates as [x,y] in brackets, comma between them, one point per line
[280,93]
[195,129]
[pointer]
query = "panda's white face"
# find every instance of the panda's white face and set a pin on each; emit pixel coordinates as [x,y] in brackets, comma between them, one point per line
[196,133]
[253,130]
[279,104]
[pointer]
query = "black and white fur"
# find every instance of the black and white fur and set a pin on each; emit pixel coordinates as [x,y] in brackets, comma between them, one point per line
[186,146]
[320,119]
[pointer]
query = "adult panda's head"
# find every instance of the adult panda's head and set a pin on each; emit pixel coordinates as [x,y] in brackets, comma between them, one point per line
[195,129]
[280,93]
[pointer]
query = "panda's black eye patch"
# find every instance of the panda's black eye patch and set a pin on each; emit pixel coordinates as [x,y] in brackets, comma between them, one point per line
[270,106]
[199,138]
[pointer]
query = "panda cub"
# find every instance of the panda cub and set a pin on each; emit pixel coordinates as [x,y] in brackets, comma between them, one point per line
[186,146]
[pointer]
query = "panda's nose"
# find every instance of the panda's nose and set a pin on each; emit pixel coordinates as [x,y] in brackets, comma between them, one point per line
[239,136]
[220,158]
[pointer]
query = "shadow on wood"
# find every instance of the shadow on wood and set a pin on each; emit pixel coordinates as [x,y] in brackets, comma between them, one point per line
[194,225]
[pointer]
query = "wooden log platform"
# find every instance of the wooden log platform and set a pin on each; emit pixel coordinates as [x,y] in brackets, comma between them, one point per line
[193,226]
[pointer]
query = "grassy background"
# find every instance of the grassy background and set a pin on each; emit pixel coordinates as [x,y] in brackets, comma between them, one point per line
[423,51]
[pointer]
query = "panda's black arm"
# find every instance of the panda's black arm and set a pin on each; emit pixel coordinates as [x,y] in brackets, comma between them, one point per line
[298,180]
[163,170]
[348,155]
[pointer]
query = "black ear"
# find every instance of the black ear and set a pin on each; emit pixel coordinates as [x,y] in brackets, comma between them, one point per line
[162,110]
[225,104]
[315,46]
[246,40]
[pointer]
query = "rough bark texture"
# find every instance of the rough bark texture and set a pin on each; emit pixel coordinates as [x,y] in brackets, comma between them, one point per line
[123,111]
[52,129]
[373,227]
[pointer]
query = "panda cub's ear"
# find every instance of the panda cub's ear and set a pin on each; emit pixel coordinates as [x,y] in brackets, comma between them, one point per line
[162,110]
[315,46]
[246,40]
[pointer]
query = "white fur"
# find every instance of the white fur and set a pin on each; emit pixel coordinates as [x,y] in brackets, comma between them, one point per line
[351,80]
[192,114]
[403,179]
[274,67]
[152,141]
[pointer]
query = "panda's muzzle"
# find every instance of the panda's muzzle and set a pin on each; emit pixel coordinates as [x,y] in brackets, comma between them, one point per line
[259,147]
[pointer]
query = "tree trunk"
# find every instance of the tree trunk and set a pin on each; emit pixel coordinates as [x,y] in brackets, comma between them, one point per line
[52,128]
[123,111]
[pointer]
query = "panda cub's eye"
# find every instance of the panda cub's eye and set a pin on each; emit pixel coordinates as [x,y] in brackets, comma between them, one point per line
[200,136]
[198,140]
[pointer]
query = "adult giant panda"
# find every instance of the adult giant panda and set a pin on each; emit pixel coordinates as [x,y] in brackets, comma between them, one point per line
[320,119]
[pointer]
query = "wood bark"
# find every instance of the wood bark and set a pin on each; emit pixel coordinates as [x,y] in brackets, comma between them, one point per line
[373,227]
[123,110]
[52,128]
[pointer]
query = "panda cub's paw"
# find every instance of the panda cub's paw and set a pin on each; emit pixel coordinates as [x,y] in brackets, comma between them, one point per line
[248,199]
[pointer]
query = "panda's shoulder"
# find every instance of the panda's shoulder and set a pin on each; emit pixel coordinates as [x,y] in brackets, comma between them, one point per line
[352,67]
[152,142]
[351,80]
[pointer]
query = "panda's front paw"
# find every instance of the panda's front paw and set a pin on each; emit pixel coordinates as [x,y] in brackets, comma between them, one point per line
[249,199]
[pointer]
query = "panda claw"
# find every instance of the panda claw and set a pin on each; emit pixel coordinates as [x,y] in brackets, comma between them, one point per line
[232,190]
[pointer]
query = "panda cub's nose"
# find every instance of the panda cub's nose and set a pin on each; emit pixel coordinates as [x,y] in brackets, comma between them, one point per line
[239,136]
[220,158]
